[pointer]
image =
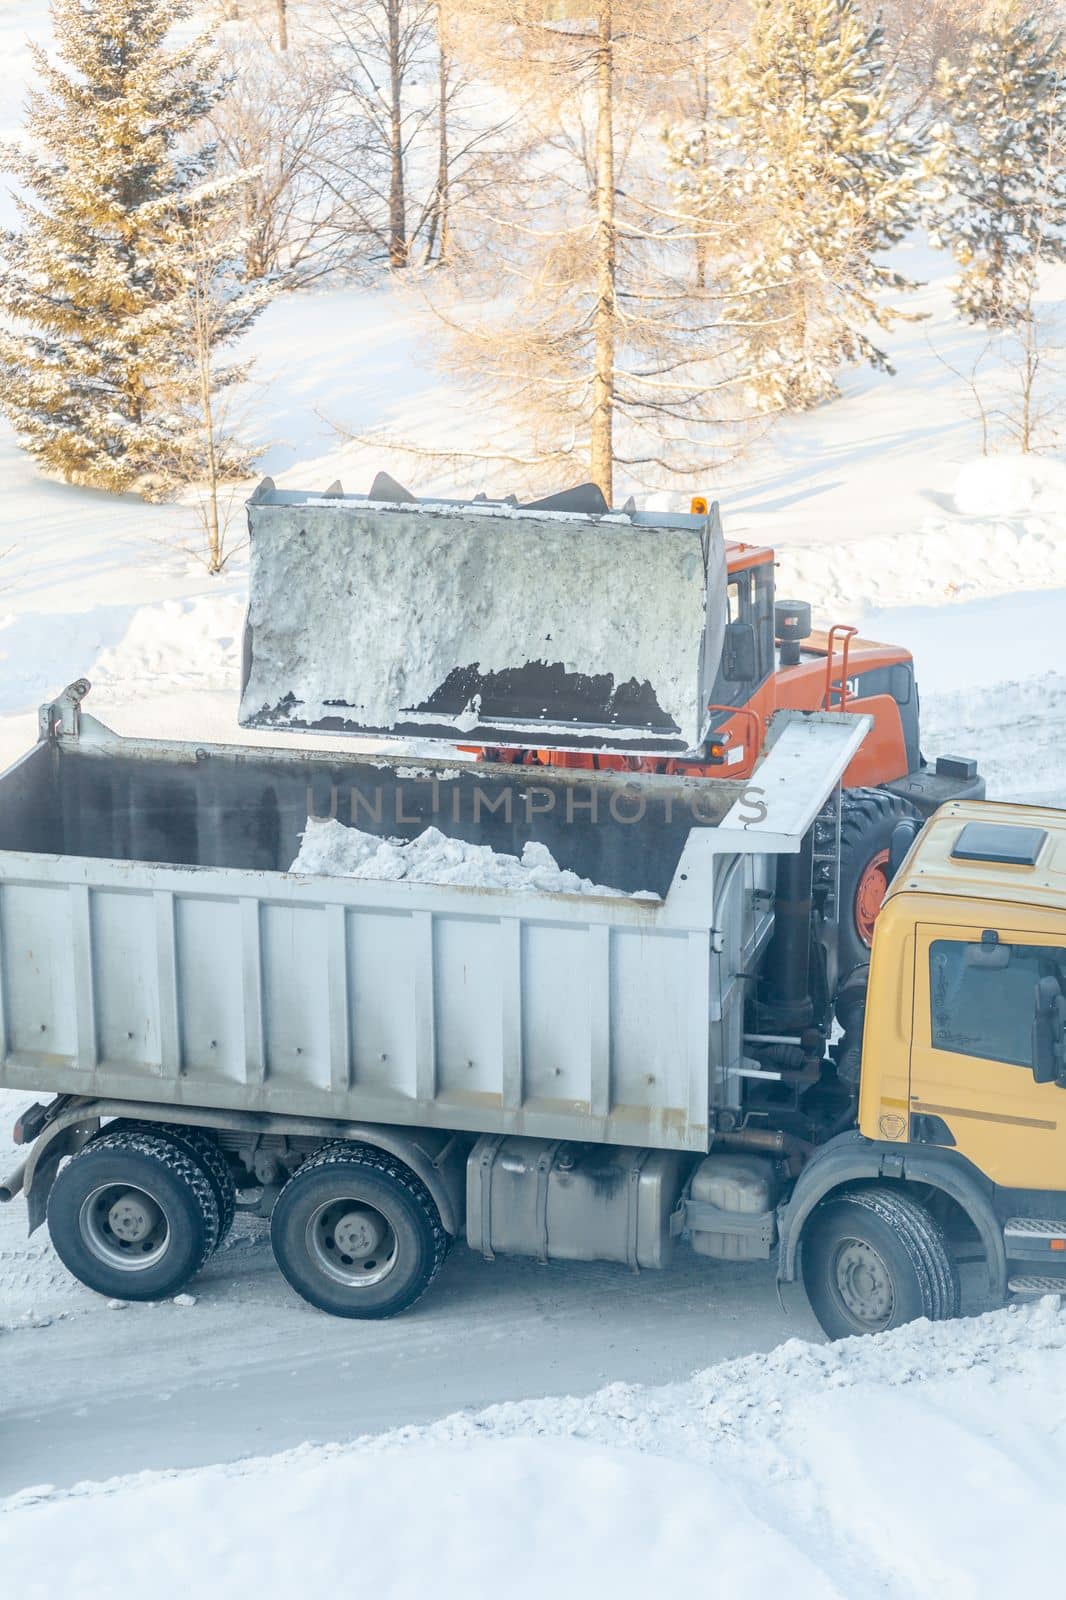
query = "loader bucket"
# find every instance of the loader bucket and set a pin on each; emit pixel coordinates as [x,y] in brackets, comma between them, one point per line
[558,624]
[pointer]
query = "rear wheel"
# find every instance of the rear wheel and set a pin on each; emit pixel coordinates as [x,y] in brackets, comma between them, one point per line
[867,820]
[874,1259]
[133,1216]
[356,1233]
[203,1148]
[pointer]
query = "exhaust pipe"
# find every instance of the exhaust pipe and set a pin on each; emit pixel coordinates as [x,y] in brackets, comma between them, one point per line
[786,1005]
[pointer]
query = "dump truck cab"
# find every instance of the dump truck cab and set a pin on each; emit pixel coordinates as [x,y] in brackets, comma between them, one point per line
[961,1108]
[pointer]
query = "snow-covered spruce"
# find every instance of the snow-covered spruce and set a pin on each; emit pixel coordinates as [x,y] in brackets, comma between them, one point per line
[804,155]
[121,282]
[1000,157]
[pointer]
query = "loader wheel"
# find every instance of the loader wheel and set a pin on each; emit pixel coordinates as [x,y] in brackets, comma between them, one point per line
[356,1233]
[133,1216]
[203,1148]
[873,1259]
[868,817]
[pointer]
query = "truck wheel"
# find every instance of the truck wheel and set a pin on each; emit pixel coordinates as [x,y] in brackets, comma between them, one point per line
[133,1216]
[867,819]
[356,1233]
[201,1147]
[874,1259]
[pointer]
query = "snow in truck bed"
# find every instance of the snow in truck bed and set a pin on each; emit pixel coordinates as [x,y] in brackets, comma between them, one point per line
[331,850]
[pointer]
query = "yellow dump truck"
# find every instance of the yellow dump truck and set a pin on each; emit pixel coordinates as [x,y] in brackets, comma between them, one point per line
[962,1113]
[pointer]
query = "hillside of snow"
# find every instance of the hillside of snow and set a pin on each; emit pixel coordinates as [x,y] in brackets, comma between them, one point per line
[926,1462]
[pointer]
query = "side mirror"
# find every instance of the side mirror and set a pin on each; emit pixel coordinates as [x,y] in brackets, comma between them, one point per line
[1049,1033]
[739,656]
[904,834]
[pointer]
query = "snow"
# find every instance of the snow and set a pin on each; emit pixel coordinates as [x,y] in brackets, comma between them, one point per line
[374,607]
[924,1462]
[1010,486]
[329,849]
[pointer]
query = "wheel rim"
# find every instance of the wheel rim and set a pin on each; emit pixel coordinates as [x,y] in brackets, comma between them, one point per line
[124,1226]
[862,1284]
[869,896]
[351,1242]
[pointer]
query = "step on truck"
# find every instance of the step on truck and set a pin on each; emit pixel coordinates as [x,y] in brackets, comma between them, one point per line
[380,1067]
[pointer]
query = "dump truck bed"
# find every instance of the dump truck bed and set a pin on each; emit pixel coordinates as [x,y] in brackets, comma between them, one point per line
[154,947]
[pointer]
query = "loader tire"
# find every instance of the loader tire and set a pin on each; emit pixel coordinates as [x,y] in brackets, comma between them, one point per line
[874,1259]
[867,820]
[133,1216]
[356,1233]
[203,1148]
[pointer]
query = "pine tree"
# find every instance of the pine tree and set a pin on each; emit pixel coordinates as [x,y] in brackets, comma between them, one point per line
[820,186]
[1000,156]
[99,369]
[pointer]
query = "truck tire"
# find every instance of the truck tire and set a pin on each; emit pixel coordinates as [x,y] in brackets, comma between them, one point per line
[874,1259]
[356,1233]
[133,1216]
[200,1146]
[867,820]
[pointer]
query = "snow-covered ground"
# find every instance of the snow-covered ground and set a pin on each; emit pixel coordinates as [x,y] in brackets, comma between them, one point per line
[925,1462]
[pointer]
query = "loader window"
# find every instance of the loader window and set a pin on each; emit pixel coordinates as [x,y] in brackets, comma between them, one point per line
[982,997]
[750,599]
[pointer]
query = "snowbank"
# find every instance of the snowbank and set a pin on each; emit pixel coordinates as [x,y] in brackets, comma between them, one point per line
[331,850]
[925,1462]
[1010,486]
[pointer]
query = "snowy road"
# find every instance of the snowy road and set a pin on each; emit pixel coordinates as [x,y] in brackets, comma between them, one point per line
[250,1370]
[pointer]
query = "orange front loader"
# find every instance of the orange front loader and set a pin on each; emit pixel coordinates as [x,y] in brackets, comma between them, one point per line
[565,633]
[774,660]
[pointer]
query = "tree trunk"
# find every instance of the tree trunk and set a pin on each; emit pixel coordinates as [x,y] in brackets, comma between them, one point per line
[283,24]
[603,398]
[443,219]
[398,253]
[202,335]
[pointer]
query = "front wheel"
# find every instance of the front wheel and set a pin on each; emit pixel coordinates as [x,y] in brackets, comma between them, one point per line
[874,1259]
[356,1233]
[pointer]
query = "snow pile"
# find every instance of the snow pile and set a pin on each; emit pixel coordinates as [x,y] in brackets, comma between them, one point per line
[924,1462]
[330,850]
[1005,530]
[1010,486]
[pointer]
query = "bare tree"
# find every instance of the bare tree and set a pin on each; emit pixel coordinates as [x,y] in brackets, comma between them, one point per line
[589,326]
[218,307]
[278,124]
[414,141]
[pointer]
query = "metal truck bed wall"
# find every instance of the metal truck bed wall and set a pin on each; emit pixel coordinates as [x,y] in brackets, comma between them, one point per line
[222,806]
[153,948]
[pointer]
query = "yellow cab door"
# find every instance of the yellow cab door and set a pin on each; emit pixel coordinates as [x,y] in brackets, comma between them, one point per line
[972,1050]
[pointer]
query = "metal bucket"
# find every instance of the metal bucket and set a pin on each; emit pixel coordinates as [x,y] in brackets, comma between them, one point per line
[483,623]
